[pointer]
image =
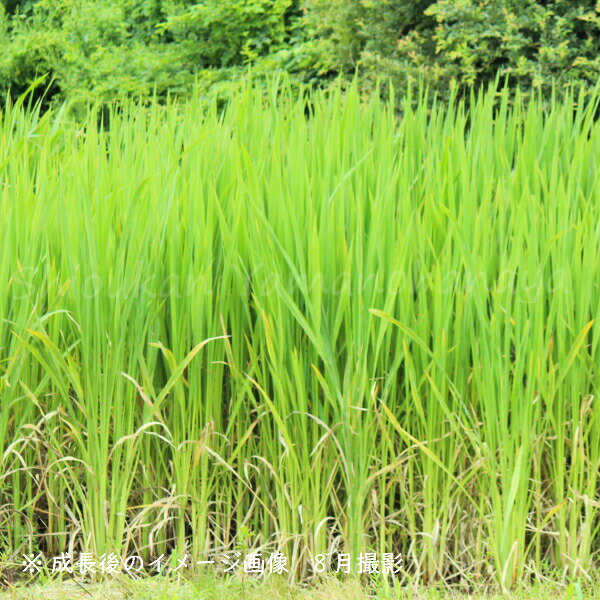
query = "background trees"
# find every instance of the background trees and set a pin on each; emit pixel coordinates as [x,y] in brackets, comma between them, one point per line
[102,48]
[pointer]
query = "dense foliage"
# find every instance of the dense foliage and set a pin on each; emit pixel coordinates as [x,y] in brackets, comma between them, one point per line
[347,331]
[106,47]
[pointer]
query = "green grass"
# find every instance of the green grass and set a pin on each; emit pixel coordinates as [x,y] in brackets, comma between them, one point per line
[337,328]
[211,589]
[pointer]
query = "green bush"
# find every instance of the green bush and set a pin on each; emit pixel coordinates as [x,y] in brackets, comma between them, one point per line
[222,33]
[102,48]
[463,41]
[333,37]
[88,47]
[533,42]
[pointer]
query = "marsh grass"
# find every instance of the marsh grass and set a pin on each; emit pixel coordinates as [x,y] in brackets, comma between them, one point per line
[341,329]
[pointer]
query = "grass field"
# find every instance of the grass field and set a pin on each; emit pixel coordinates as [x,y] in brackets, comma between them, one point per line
[327,590]
[305,325]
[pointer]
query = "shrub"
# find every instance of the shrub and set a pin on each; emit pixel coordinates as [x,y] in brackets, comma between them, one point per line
[99,49]
[222,33]
[533,42]
[466,41]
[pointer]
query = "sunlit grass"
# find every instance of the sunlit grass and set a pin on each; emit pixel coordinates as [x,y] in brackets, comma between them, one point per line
[345,330]
[215,589]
